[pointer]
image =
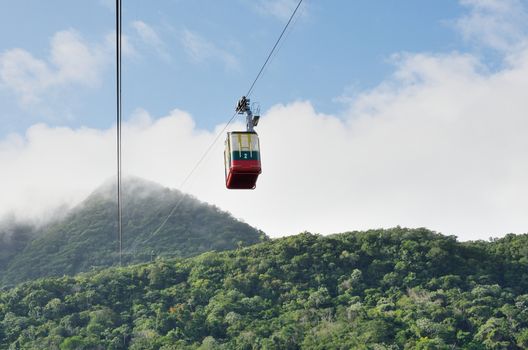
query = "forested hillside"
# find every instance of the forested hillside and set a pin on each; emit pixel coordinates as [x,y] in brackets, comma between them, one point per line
[86,238]
[14,237]
[381,289]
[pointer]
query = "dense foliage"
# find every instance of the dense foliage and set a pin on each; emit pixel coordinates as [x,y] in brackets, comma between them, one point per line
[381,289]
[86,239]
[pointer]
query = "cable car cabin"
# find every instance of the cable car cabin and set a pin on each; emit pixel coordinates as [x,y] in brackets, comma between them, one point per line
[242,160]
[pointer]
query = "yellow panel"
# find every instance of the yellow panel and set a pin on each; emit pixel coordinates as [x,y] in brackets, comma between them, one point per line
[244,142]
[239,144]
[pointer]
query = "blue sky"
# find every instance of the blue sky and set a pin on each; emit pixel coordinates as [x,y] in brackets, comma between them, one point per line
[333,48]
[374,113]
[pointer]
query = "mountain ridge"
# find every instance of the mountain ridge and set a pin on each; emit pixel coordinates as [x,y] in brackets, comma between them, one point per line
[86,237]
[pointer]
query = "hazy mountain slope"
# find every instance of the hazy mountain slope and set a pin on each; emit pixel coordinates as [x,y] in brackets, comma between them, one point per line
[381,289]
[86,238]
[14,237]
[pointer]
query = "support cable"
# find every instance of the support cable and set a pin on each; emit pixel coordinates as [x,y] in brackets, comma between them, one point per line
[118,129]
[273,49]
[220,133]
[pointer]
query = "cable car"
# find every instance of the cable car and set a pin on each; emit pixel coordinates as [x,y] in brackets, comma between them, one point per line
[242,152]
[242,160]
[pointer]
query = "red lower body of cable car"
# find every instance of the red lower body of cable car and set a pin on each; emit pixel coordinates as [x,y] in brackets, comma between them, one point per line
[243,174]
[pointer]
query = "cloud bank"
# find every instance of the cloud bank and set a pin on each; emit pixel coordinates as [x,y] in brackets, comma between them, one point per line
[72,62]
[40,85]
[441,143]
[498,24]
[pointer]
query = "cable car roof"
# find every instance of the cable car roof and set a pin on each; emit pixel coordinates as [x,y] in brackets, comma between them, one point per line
[242,132]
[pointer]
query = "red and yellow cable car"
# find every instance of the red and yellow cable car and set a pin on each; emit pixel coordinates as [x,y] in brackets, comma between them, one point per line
[242,151]
[242,160]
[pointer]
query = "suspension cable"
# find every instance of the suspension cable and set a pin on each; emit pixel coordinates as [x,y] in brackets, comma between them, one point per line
[118,130]
[273,49]
[220,133]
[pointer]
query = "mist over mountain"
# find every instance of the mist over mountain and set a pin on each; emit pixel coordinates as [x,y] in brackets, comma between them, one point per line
[14,236]
[86,237]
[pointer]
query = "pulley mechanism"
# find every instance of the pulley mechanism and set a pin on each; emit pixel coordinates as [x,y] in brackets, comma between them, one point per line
[243,107]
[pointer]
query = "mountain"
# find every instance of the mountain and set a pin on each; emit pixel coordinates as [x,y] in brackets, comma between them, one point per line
[86,238]
[380,289]
[14,237]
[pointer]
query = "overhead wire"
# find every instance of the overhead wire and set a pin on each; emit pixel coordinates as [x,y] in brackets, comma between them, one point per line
[273,49]
[285,38]
[118,130]
[220,133]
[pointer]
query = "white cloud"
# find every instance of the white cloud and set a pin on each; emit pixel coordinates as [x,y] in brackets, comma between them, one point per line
[72,62]
[49,166]
[441,144]
[201,50]
[499,24]
[151,38]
